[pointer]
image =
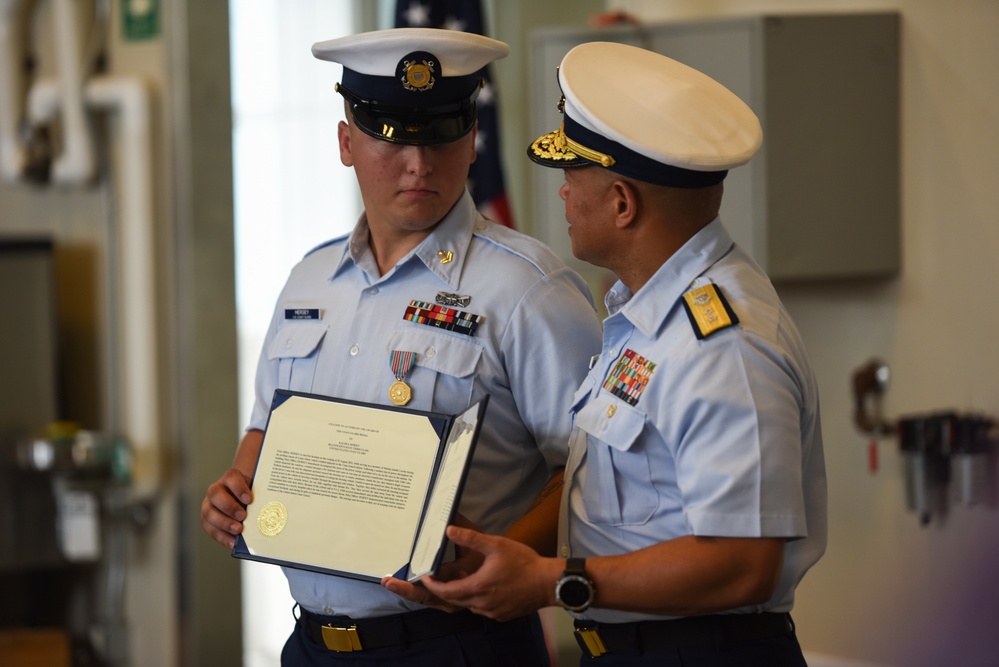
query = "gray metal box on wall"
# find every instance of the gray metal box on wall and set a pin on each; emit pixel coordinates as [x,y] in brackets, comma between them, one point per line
[821,198]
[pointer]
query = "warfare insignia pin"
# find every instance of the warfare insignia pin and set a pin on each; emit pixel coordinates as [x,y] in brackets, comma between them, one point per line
[452,299]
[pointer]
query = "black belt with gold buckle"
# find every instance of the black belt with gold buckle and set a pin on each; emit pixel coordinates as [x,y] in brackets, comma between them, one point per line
[345,634]
[724,630]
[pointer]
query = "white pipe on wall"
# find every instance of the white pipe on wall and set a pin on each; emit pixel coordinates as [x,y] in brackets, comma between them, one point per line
[11,82]
[75,164]
[44,101]
[136,285]
[67,96]
[139,392]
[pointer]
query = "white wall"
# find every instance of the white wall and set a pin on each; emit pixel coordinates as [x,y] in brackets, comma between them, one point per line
[889,590]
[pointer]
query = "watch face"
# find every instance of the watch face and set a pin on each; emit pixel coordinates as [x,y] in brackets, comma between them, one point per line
[573,592]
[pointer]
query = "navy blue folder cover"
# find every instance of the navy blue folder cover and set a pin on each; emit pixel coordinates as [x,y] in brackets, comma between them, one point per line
[442,425]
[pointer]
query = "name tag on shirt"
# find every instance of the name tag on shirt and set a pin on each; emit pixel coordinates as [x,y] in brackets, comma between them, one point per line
[301,314]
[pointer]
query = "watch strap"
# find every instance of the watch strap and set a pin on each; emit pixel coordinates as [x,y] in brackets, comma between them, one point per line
[575,566]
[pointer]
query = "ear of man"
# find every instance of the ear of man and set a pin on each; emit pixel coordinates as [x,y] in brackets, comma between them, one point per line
[682,211]
[626,202]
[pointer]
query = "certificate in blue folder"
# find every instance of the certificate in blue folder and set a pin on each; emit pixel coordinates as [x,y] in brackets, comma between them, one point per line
[355,489]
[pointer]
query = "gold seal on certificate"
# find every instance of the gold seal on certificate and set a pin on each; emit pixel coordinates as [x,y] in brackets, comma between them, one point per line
[272,518]
[400,393]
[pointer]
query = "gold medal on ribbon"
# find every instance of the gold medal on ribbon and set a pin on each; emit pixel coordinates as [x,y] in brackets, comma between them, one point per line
[400,393]
[272,519]
[401,362]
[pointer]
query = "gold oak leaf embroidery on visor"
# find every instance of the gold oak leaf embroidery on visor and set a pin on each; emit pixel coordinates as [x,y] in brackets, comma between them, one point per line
[557,146]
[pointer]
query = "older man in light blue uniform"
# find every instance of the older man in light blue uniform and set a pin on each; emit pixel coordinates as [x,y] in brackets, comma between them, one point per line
[681,435]
[695,493]
[429,305]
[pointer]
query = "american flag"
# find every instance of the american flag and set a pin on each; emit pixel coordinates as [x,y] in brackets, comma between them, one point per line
[485,178]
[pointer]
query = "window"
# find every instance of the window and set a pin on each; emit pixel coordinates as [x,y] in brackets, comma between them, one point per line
[291,194]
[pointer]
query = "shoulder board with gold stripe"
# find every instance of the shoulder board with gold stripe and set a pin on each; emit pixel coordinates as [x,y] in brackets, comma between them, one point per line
[708,310]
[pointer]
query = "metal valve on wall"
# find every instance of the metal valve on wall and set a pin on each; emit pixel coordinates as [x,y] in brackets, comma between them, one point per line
[948,457]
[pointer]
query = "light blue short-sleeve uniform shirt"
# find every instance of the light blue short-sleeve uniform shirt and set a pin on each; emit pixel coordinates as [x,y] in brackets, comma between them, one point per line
[337,321]
[676,435]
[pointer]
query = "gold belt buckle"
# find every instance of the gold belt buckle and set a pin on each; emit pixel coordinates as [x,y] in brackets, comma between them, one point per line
[591,638]
[341,640]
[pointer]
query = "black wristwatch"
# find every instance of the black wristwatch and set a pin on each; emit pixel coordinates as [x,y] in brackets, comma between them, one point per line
[574,590]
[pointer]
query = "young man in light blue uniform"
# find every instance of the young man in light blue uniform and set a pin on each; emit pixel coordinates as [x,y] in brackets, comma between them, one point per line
[695,492]
[429,305]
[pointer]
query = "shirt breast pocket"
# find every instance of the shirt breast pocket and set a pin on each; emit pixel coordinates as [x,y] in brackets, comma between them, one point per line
[296,349]
[443,376]
[619,490]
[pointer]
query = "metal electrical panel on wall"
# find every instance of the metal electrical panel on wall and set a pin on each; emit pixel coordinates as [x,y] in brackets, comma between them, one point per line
[821,199]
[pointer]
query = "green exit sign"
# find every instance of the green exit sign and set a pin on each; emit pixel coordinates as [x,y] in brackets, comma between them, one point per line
[140,19]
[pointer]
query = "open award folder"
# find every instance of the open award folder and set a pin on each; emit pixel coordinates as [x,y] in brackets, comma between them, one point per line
[355,489]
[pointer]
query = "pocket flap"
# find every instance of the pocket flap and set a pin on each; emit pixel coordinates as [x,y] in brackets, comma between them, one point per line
[441,353]
[295,340]
[611,421]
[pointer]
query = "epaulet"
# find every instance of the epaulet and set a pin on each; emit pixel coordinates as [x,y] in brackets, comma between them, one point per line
[517,243]
[708,310]
[327,244]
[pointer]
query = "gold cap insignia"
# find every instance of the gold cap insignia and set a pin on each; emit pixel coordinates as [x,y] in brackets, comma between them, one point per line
[418,75]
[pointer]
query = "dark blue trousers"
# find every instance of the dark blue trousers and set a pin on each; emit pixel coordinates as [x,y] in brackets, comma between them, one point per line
[773,652]
[518,643]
